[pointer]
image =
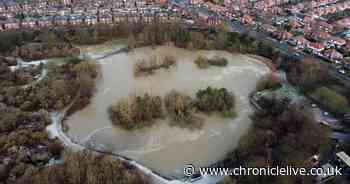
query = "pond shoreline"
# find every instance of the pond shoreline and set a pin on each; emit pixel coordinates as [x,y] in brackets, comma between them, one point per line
[59,128]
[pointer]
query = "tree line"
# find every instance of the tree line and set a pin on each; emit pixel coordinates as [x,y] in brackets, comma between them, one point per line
[317,81]
[25,114]
[283,135]
[85,167]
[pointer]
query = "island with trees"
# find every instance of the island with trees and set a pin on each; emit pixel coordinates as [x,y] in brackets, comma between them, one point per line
[138,112]
[157,62]
[203,62]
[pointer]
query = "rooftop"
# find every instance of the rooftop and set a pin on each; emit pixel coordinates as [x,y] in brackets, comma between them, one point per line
[344,157]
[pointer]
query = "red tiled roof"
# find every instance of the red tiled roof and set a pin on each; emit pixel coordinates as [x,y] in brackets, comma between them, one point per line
[316,45]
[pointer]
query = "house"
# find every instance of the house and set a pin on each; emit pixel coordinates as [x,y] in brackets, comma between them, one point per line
[106,19]
[8,14]
[269,28]
[61,20]
[29,23]
[133,18]
[301,41]
[78,10]
[203,15]
[247,19]
[2,8]
[315,47]
[163,2]
[307,30]
[104,10]
[336,41]
[12,6]
[90,19]
[345,22]
[213,21]
[295,24]
[67,2]
[299,17]
[333,55]
[45,21]
[343,159]
[2,25]
[322,26]
[165,17]
[319,35]
[174,18]
[64,11]
[92,11]
[26,6]
[117,17]
[11,24]
[285,35]
[52,11]
[150,17]
[76,19]
[347,46]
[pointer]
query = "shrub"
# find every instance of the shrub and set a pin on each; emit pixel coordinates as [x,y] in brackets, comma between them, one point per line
[290,137]
[89,68]
[169,61]
[331,100]
[268,82]
[55,148]
[86,167]
[218,61]
[203,62]
[147,68]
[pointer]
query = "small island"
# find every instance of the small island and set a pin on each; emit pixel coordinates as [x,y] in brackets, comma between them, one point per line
[214,100]
[136,112]
[203,62]
[181,110]
[143,68]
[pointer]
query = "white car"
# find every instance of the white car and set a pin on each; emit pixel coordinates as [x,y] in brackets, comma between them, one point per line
[341,71]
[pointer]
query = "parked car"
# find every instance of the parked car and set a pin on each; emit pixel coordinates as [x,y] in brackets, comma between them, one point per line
[341,71]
